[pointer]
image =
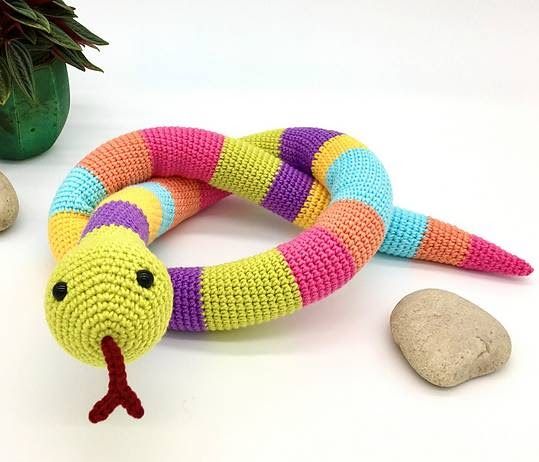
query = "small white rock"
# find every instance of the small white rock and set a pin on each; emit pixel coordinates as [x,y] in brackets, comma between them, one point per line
[9,204]
[447,339]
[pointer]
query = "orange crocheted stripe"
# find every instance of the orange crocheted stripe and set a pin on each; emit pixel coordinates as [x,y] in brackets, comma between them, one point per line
[444,243]
[358,226]
[121,162]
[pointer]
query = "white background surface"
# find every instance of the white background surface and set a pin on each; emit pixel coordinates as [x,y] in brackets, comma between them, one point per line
[445,92]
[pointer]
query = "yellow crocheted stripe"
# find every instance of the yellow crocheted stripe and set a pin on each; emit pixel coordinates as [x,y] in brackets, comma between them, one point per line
[269,141]
[248,291]
[104,297]
[329,151]
[64,230]
[245,170]
[317,200]
[145,200]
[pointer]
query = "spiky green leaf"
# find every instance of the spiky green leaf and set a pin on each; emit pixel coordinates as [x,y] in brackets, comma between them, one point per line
[20,7]
[84,33]
[75,58]
[59,37]
[62,5]
[87,62]
[40,22]
[41,19]
[5,83]
[53,11]
[69,57]
[42,44]
[20,67]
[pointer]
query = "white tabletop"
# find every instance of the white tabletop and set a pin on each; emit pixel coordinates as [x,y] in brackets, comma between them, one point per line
[446,94]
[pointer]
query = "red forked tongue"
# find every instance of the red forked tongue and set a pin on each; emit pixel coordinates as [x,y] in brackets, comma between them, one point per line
[119,392]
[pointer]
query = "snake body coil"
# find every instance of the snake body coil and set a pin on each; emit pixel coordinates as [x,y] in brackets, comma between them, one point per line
[131,190]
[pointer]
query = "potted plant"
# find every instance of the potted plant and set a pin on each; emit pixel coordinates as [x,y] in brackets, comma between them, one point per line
[37,39]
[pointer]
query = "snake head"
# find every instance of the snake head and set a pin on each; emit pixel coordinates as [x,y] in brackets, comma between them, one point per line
[109,285]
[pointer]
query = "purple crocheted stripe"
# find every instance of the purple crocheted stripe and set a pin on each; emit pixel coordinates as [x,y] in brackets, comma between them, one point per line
[299,145]
[119,213]
[288,192]
[187,309]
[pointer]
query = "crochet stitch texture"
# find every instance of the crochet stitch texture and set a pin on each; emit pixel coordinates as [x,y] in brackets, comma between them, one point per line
[136,187]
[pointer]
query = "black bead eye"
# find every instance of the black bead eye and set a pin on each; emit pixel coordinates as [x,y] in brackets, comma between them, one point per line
[145,278]
[59,290]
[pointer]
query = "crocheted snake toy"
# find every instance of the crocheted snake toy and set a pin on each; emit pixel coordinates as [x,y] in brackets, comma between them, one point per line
[110,298]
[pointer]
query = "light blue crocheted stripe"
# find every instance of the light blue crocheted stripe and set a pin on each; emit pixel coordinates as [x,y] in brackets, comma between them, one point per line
[358,174]
[168,208]
[405,233]
[80,192]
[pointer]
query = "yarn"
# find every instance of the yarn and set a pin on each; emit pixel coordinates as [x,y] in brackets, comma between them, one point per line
[103,295]
[136,187]
[119,392]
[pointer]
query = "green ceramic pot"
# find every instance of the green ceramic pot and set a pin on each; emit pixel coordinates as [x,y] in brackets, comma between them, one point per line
[30,128]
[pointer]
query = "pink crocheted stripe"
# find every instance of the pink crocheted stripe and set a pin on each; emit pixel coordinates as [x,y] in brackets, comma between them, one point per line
[188,152]
[319,262]
[486,256]
[210,195]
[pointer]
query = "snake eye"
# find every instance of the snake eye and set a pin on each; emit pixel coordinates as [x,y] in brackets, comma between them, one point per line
[145,278]
[59,290]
